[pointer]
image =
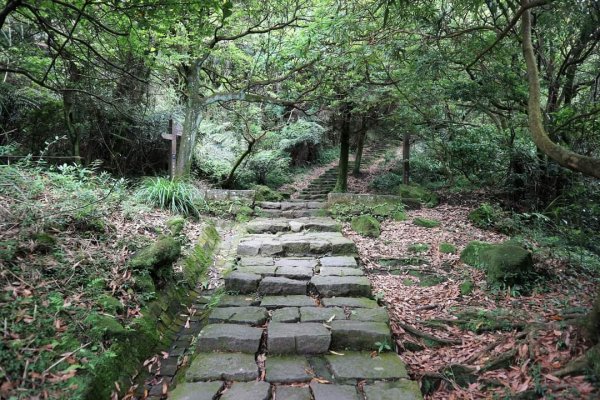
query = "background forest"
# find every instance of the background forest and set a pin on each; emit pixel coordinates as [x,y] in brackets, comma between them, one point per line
[497,102]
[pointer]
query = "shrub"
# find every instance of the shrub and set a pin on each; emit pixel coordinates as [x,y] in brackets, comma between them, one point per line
[485,216]
[418,193]
[366,225]
[386,183]
[426,223]
[177,196]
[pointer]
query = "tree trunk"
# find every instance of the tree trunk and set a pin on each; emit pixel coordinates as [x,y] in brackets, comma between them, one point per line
[342,181]
[228,182]
[406,158]
[72,131]
[359,147]
[193,116]
[567,158]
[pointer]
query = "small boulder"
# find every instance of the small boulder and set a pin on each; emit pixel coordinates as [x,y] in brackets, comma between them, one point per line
[507,264]
[366,225]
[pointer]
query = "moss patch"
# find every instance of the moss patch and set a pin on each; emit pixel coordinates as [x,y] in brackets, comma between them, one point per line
[466,288]
[366,225]
[265,193]
[447,248]
[507,264]
[419,193]
[426,223]
[471,255]
[157,259]
[418,248]
[176,225]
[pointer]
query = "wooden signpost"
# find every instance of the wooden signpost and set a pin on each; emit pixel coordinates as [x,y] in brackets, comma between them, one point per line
[175,130]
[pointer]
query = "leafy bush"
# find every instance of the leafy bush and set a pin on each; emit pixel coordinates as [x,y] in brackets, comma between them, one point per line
[387,183]
[177,196]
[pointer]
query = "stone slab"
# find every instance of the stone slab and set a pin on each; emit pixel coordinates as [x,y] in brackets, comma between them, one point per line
[267,225]
[196,391]
[251,261]
[272,302]
[247,391]
[303,273]
[238,315]
[378,314]
[322,391]
[306,262]
[285,205]
[249,248]
[358,335]
[403,389]
[321,314]
[262,270]
[229,337]
[350,302]
[222,366]
[339,261]
[360,365]
[340,271]
[242,282]
[272,205]
[329,286]
[238,301]
[301,338]
[273,285]
[292,393]
[287,369]
[287,314]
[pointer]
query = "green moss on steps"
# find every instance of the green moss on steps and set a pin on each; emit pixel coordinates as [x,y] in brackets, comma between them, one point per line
[426,223]
[366,225]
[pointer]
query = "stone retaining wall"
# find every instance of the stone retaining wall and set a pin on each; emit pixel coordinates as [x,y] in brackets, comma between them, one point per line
[246,196]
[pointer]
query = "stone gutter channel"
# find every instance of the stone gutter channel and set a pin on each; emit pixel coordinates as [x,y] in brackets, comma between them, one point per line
[296,321]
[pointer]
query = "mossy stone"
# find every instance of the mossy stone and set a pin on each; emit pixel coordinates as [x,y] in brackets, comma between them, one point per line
[426,223]
[105,326]
[157,259]
[447,248]
[110,304]
[366,225]
[508,264]
[399,216]
[265,193]
[416,192]
[144,284]
[471,255]
[176,225]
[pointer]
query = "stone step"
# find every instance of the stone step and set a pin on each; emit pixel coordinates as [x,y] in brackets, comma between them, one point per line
[276,302]
[229,338]
[358,335]
[222,366]
[288,369]
[353,366]
[274,225]
[242,282]
[330,286]
[298,338]
[277,285]
[238,315]
[295,244]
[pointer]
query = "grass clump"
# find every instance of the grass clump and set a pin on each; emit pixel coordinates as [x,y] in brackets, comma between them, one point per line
[426,223]
[418,248]
[447,248]
[366,225]
[177,196]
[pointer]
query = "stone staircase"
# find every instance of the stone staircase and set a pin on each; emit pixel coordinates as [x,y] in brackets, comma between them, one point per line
[298,322]
[318,189]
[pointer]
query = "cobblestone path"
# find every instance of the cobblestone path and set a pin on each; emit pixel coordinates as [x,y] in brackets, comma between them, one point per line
[300,323]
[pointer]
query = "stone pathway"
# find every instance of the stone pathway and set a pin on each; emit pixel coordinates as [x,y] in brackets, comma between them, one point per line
[298,323]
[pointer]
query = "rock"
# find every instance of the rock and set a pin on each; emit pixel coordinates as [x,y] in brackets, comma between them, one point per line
[471,254]
[296,226]
[339,261]
[222,366]
[271,205]
[378,314]
[248,248]
[323,391]
[271,247]
[267,225]
[229,337]
[287,369]
[366,225]
[251,261]
[238,301]
[277,285]
[302,338]
[320,247]
[360,365]
[247,391]
[262,270]
[403,389]
[358,335]
[342,246]
[507,264]
[315,204]
[196,391]
[304,273]
[340,271]
[297,262]
[288,314]
[350,302]
[292,393]
[293,205]
[321,314]
[272,302]
[242,282]
[418,193]
[329,286]
[238,315]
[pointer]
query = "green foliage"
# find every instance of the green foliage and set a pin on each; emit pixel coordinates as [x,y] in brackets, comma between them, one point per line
[265,193]
[419,193]
[485,216]
[447,248]
[387,183]
[176,225]
[426,223]
[383,346]
[236,209]
[418,248]
[300,132]
[177,196]
[466,287]
[347,211]
[157,259]
[471,255]
[366,225]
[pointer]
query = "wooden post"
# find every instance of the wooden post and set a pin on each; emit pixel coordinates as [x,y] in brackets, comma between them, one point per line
[174,131]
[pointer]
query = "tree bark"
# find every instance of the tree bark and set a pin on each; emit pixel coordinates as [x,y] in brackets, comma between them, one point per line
[360,146]
[406,158]
[342,181]
[566,158]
